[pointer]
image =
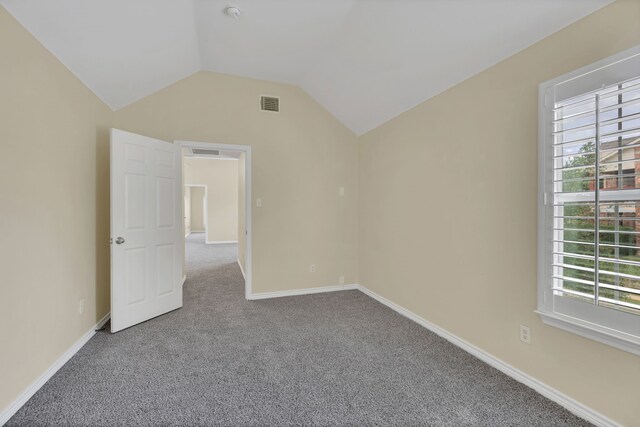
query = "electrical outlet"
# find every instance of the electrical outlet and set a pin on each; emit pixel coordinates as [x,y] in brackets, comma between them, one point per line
[341,280]
[81,306]
[312,268]
[341,191]
[525,334]
[259,203]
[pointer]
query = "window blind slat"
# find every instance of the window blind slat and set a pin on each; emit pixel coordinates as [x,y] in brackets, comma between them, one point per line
[630,103]
[591,258]
[620,289]
[624,91]
[622,119]
[574,116]
[575,141]
[574,242]
[575,129]
[623,132]
[572,292]
[575,168]
[574,280]
[591,283]
[635,306]
[579,102]
[609,196]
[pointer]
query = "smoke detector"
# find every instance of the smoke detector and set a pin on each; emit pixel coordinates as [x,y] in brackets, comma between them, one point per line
[233,12]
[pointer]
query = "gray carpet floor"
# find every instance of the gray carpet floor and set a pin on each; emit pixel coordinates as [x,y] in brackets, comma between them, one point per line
[339,358]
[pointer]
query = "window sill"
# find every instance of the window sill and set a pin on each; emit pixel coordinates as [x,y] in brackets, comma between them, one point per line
[592,331]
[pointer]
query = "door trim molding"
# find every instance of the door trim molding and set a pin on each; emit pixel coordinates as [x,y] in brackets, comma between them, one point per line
[24,397]
[246,149]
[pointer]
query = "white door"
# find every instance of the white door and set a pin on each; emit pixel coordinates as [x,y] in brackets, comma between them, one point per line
[146,228]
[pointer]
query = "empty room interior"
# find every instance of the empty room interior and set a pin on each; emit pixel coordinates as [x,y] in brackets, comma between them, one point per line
[299,212]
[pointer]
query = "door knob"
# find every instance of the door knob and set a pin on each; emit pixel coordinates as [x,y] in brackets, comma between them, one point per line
[119,240]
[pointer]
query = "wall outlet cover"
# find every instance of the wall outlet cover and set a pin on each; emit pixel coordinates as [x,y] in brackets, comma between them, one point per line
[525,334]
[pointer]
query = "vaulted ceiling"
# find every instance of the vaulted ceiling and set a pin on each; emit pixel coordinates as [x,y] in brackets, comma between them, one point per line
[365,61]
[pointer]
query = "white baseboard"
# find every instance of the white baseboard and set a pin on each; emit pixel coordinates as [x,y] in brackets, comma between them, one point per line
[220,242]
[242,270]
[102,322]
[187,235]
[550,393]
[10,411]
[266,295]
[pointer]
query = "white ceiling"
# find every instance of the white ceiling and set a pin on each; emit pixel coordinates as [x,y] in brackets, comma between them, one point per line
[366,61]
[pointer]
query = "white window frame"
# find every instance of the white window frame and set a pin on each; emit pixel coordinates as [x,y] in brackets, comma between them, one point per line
[616,328]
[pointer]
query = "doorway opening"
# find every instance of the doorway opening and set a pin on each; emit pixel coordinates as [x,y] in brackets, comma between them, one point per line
[217,206]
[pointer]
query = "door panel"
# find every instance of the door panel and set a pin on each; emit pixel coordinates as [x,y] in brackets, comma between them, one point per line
[135,261]
[146,194]
[166,256]
[134,201]
[165,201]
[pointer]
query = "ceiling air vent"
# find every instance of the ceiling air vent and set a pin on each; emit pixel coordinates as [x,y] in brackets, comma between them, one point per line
[204,152]
[270,103]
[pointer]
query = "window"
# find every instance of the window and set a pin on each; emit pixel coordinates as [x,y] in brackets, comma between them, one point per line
[589,201]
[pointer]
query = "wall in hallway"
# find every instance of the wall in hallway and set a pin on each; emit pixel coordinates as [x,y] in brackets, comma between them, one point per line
[221,178]
[197,209]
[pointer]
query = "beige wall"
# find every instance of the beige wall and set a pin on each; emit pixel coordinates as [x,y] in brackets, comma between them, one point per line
[448,215]
[221,178]
[197,208]
[54,209]
[242,238]
[300,156]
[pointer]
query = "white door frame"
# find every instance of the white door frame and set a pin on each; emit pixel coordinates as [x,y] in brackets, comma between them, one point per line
[205,211]
[246,149]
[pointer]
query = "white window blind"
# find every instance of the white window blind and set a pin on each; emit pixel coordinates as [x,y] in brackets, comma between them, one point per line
[590,196]
[596,254]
